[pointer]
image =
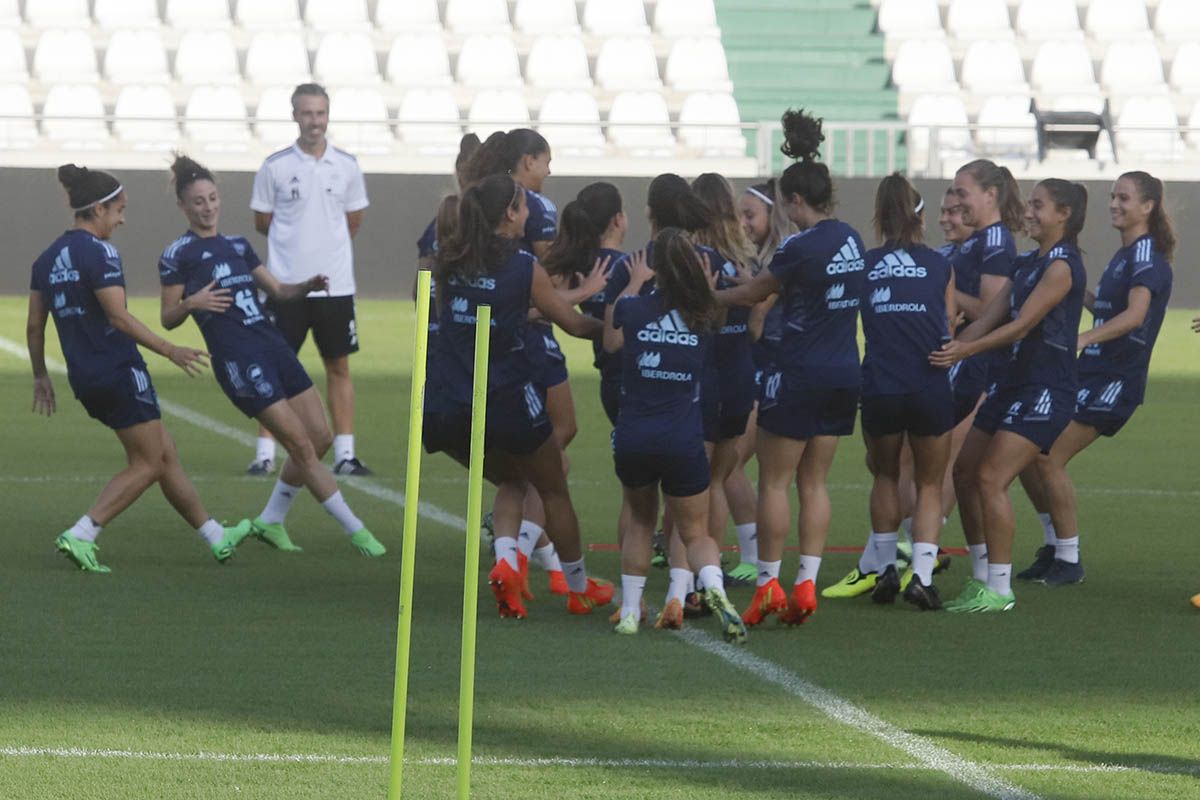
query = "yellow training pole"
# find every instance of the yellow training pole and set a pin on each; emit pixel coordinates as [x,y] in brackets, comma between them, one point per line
[408,548]
[466,683]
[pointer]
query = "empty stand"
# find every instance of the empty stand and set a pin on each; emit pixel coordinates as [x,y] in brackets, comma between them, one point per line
[346,58]
[185,15]
[1109,20]
[359,120]
[268,14]
[993,67]
[615,17]
[118,14]
[64,56]
[1177,20]
[407,16]
[57,13]
[910,18]
[979,19]
[477,16]
[273,123]
[215,118]
[497,108]
[136,56]
[17,130]
[327,15]
[1007,127]
[709,122]
[206,57]
[924,65]
[1048,19]
[73,117]
[698,65]
[627,63]
[417,59]
[640,123]
[558,62]
[12,58]
[428,119]
[277,58]
[673,18]
[536,17]
[145,118]
[1149,112]
[570,121]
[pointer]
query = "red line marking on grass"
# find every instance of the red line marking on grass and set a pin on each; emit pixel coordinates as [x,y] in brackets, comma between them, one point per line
[603,547]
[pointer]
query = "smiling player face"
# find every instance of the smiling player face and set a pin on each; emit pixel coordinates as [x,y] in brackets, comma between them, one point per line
[311,113]
[1127,208]
[1044,220]
[756,218]
[201,204]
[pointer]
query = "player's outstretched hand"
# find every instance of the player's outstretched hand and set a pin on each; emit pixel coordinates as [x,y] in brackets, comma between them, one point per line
[598,277]
[188,359]
[210,298]
[639,269]
[43,396]
[949,354]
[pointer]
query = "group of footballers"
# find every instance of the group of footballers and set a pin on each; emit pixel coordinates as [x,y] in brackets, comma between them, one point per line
[731,334]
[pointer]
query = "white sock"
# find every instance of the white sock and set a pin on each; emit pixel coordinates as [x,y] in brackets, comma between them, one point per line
[906,529]
[576,575]
[809,566]
[866,562]
[336,505]
[692,582]
[1047,528]
[885,549]
[712,579]
[85,530]
[1067,549]
[343,447]
[748,542]
[979,561]
[768,571]
[924,557]
[506,550]
[677,589]
[211,531]
[999,578]
[632,587]
[279,503]
[527,539]
[264,448]
[548,557]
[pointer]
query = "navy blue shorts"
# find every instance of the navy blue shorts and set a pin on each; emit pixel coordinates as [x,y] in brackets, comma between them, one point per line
[553,362]
[804,412]
[126,399]
[255,380]
[1037,413]
[517,424]
[1101,403]
[970,380]
[925,413]
[610,396]
[331,320]
[679,475]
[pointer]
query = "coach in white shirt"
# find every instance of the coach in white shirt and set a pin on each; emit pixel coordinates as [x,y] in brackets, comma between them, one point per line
[309,200]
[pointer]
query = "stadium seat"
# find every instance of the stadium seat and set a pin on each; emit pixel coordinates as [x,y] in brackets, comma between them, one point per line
[345,58]
[1048,19]
[1193,135]
[906,19]
[206,57]
[558,62]
[10,13]
[1006,127]
[73,117]
[114,14]
[1062,67]
[615,17]
[1132,67]
[215,119]
[186,15]
[44,14]
[1149,112]
[428,119]
[277,58]
[674,18]
[924,65]
[627,63]
[12,57]
[256,15]
[407,16]
[640,123]
[136,56]
[979,19]
[1185,68]
[145,118]
[1108,20]
[17,129]
[494,109]
[359,121]
[477,16]
[332,15]
[1177,20]
[698,65]
[64,55]
[708,122]
[489,60]
[946,114]
[536,17]
[273,123]
[993,67]
[418,59]
[570,121]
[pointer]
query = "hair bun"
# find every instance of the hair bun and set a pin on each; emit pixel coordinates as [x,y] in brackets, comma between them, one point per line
[802,135]
[70,175]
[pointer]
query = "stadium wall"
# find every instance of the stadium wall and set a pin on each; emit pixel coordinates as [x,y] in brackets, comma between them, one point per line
[34,206]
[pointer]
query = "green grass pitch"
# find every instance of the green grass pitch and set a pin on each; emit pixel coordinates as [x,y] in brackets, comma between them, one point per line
[174,677]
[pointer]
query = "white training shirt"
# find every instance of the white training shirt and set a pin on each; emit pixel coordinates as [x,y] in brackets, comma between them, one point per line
[309,199]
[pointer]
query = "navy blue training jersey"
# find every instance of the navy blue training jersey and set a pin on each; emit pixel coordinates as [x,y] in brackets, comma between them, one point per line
[949,250]
[904,319]
[822,272]
[663,363]
[542,223]
[1128,357]
[67,275]
[987,251]
[193,262]
[1046,356]
[734,347]
[595,306]
[427,244]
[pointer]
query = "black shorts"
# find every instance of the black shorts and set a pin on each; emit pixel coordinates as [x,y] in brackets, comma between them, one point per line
[255,380]
[969,380]
[517,423]
[1102,404]
[679,475]
[1036,413]
[926,413]
[553,361]
[126,399]
[331,320]
[802,412]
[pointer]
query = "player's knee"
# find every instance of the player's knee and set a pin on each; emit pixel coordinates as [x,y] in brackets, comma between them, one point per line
[991,479]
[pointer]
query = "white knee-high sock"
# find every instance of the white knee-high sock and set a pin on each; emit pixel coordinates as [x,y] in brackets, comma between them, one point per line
[809,567]
[1047,528]
[867,562]
[343,447]
[576,575]
[713,579]
[548,557]
[768,571]
[85,529]
[885,549]
[1067,549]
[527,539]
[924,557]
[211,531]
[264,448]
[677,589]
[632,587]
[280,502]
[336,505]
[748,542]
[506,550]
[999,578]
[979,561]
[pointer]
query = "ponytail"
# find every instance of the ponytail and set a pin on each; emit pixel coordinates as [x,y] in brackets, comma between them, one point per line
[680,275]
[580,225]
[1162,231]
[989,175]
[473,245]
[673,204]
[898,212]
[502,152]
[467,147]
[185,172]
[1068,194]
[88,188]
[808,177]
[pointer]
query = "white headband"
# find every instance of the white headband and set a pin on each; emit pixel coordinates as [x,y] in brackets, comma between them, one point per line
[104,199]
[760,195]
[920,206]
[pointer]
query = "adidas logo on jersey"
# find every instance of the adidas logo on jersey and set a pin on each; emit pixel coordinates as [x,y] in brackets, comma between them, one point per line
[221,271]
[63,270]
[847,259]
[459,305]
[669,329]
[881,295]
[480,282]
[896,264]
[649,360]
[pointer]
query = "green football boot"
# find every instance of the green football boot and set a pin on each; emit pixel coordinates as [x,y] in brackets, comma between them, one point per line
[83,553]
[367,544]
[968,595]
[223,550]
[627,626]
[274,534]
[855,584]
[985,601]
[732,627]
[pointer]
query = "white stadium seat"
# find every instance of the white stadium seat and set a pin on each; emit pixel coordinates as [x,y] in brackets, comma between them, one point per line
[495,109]
[12,57]
[992,67]
[1177,20]
[16,127]
[906,19]
[273,123]
[946,114]
[698,65]
[536,17]
[215,118]
[186,15]
[640,123]
[477,16]
[277,58]
[10,13]
[136,56]
[685,18]
[1006,126]
[346,59]
[979,19]
[73,117]
[64,55]
[359,121]
[57,13]
[558,62]
[570,121]
[428,119]
[1193,136]
[1117,19]
[1047,19]
[1132,67]
[708,122]
[627,63]
[256,15]
[418,59]
[615,17]
[1063,67]
[145,118]
[1149,112]
[206,57]
[114,14]
[329,15]
[395,16]
[1185,68]
[489,60]
[924,65]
